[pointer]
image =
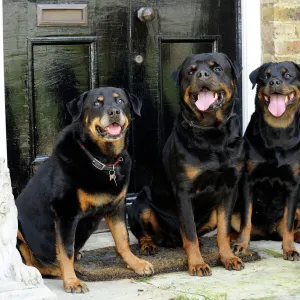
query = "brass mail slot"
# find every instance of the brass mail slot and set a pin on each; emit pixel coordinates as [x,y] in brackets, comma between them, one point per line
[62,14]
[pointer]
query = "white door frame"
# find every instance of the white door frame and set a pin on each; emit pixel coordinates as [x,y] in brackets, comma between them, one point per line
[251,53]
[251,59]
[3,149]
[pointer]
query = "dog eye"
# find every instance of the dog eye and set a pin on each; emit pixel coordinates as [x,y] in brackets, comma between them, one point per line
[218,69]
[97,103]
[120,101]
[287,75]
[191,72]
[266,76]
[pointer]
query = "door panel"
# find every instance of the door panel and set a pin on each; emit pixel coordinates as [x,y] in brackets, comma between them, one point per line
[47,66]
[60,69]
[179,29]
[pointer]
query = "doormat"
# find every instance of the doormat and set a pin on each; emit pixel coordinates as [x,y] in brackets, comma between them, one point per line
[105,264]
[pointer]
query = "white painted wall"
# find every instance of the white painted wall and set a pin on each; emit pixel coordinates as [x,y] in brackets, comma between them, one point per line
[251,53]
[3,151]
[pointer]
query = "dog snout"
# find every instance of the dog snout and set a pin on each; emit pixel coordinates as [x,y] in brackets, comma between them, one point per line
[203,74]
[275,82]
[113,111]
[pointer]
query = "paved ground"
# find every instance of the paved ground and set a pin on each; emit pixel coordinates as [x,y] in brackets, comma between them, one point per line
[271,278]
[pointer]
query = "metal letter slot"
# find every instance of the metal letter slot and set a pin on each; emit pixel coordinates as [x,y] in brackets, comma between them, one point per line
[62,14]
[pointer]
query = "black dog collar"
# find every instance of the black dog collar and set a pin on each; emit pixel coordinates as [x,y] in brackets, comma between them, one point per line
[98,164]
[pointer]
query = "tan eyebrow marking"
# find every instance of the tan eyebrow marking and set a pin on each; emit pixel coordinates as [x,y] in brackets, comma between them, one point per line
[193,67]
[212,63]
[283,70]
[100,98]
[115,95]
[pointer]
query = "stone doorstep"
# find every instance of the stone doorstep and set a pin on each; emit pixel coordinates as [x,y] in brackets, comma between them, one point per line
[12,290]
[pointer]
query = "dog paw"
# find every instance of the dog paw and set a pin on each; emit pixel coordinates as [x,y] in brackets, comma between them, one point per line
[79,255]
[75,286]
[240,248]
[202,269]
[143,268]
[233,263]
[148,249]
[26,274]
[291,255]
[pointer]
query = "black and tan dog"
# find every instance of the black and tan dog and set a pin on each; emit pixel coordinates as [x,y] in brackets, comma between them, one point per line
[272,159]
[84,180]
[202,160]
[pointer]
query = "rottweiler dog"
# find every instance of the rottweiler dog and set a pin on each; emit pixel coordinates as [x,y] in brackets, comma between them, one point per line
[195,189]
[84,180]
[270,185]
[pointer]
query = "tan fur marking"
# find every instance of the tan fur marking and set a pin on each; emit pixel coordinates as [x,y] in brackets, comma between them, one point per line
[116,95]
[71,282]
[191,172]
[250,165]
[100,98]
[210,225]
[192,251]
[120,235]
[87,200]
[287,236]
[212,63]
[229,260]
[287,118]
[148,216]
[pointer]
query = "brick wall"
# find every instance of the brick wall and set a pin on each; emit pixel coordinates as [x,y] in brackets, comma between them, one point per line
[280,30]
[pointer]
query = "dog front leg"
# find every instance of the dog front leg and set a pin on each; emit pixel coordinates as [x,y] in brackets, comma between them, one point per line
[196,264]
[116,224]
[65,228]
[243,240]
[288,245]
[224,210]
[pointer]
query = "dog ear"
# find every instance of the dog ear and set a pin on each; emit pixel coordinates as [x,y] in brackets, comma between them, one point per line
[254,74]
[136,103]
[253,77]
[296,65]
[75,107]
[236,67]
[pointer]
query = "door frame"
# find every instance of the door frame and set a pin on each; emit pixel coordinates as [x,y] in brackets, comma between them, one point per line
[251,59]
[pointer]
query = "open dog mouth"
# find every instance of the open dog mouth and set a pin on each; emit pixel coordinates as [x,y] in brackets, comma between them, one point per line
[112,131]
[206,99]
[277,103]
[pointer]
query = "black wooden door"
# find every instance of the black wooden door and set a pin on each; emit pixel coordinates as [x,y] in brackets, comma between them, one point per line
[54,53]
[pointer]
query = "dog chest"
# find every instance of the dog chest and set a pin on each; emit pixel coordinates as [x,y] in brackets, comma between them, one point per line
[87,200]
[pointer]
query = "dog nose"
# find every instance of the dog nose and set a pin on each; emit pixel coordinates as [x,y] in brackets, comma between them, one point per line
[113,111]
[203,74]
[275,82]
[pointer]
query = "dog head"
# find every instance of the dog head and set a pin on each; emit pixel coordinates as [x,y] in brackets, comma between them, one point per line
[207,84]
[105,112]
[278,92]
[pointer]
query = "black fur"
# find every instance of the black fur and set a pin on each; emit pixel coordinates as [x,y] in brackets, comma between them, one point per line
[272,156]
[211,145]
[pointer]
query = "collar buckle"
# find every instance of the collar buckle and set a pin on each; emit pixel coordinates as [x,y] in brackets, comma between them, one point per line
[97,164]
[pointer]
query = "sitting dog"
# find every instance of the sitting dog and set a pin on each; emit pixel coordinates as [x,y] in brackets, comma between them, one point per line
[272,160]
[84,180]
[195,190]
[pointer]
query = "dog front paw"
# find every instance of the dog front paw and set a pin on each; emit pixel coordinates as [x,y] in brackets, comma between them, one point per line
[291,255]
[142,267]
[233,263]
[75,286]
[201,269]
[240,248]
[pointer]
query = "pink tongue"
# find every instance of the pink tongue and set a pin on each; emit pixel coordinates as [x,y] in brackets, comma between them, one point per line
[205,100]
[277,105]
[113,129]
